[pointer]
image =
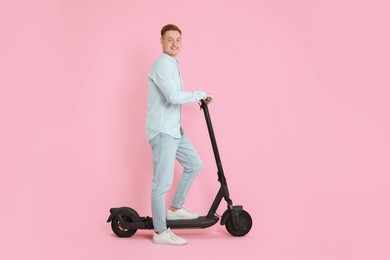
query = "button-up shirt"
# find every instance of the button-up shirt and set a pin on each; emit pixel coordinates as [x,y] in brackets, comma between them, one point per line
[165,97]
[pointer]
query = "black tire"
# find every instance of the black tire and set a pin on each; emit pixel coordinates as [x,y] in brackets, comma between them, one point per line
[244,221]
[122,231]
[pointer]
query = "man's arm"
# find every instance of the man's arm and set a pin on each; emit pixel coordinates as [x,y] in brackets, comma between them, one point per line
[164,80]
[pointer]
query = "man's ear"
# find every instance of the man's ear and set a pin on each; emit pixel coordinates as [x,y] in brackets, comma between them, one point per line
[161,40]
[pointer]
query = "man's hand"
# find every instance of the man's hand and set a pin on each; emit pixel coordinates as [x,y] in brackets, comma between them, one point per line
[209,98]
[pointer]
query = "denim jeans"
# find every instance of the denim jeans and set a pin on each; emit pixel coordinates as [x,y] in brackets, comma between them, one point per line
[165,150]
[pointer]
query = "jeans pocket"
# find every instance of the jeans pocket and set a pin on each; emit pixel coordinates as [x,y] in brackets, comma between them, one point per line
[154,141]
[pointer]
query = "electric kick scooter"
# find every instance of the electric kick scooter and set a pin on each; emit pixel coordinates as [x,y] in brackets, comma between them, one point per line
[125,221]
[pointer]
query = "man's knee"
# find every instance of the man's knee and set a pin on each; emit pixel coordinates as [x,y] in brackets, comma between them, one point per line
[197,166]
[161,187]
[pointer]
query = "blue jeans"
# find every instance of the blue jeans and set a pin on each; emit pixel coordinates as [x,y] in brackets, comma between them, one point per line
[165,150]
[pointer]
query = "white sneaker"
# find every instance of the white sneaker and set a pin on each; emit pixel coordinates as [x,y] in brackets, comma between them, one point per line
[181,214]
[167,237]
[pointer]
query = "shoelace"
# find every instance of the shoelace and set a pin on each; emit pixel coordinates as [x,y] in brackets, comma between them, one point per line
[172,235]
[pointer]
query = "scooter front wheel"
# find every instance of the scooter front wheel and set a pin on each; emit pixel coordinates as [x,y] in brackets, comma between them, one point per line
[118,228]
[244,223]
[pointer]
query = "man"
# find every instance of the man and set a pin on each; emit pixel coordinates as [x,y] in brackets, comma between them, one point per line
[167,139]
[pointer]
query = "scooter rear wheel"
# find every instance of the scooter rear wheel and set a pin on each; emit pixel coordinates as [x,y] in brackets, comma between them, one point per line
[244,221]
[118,229]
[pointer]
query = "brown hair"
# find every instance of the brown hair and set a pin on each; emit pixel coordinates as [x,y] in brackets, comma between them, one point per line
[169,27]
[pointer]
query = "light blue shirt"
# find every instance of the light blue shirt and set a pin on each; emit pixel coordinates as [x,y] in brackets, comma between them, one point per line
[165,97]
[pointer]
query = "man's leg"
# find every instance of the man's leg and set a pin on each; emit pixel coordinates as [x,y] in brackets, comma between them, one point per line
[190,160]
[164,149]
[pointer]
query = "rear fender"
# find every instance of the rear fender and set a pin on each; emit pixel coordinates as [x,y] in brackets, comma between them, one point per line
[131,213]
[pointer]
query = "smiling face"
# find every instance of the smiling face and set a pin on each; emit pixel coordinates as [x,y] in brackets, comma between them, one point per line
[171,43]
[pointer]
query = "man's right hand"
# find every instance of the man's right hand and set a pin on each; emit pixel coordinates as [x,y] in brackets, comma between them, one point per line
[209,98]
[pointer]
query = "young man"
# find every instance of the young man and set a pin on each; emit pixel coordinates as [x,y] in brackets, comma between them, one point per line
[167,139]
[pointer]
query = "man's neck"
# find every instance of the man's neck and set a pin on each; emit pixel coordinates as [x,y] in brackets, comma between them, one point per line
[174,57]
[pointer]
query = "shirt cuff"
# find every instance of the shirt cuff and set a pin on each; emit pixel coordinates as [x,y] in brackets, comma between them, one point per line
[200,95]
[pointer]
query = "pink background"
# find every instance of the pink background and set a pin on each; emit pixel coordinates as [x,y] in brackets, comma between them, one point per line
[301,115]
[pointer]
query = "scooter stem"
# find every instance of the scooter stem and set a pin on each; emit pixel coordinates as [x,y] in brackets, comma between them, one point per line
[213,141]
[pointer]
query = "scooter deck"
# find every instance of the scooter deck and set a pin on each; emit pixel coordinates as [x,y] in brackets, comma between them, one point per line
[201,222]
[147,223]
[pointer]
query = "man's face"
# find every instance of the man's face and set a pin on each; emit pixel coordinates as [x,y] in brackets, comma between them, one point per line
[171,43]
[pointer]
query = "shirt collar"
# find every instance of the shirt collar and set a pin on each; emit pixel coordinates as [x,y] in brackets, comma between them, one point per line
[170,58]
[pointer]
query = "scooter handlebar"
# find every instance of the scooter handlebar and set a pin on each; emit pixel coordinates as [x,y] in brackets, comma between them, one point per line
[203,102]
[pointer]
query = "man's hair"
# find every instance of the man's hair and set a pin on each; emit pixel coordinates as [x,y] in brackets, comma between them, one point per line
[169,27]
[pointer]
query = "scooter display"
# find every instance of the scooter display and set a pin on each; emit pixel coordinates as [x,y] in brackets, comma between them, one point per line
[126,221]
